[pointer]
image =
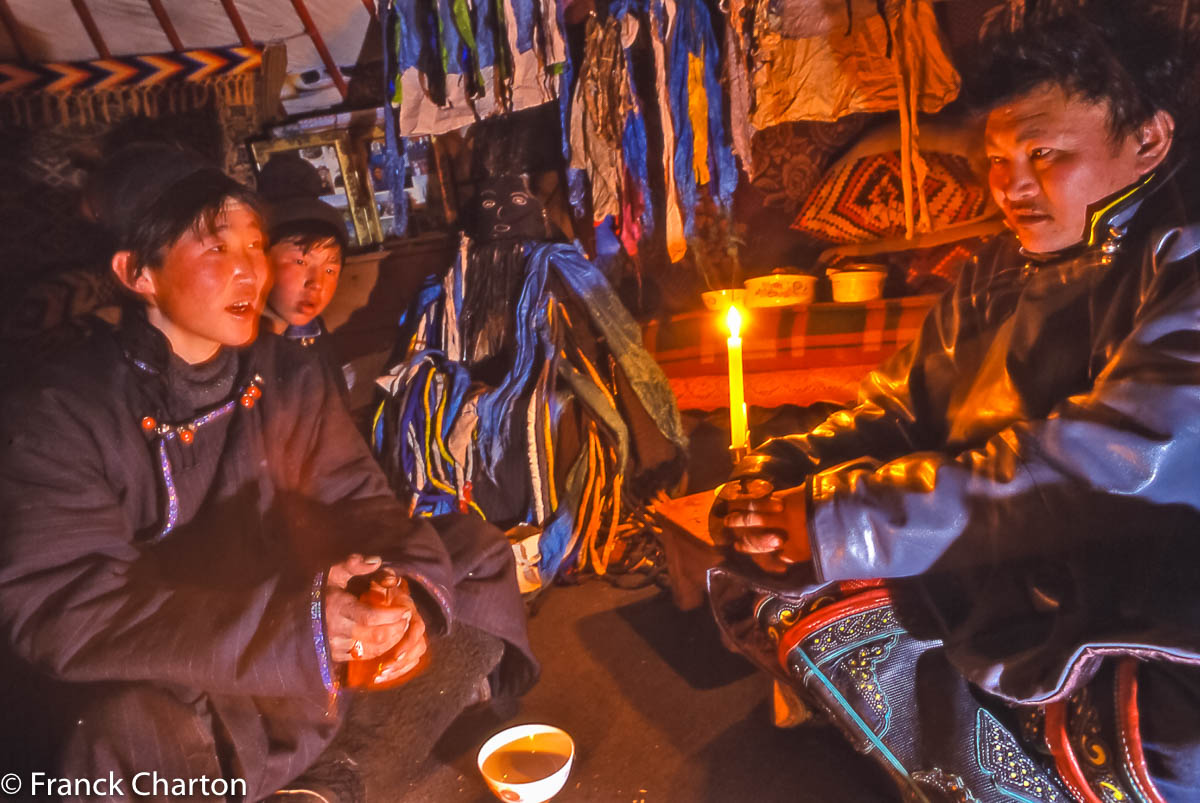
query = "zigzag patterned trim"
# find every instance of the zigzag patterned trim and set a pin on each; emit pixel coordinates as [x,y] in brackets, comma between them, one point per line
[129,71]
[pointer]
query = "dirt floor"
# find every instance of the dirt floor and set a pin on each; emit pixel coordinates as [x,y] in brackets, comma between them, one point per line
[659,711]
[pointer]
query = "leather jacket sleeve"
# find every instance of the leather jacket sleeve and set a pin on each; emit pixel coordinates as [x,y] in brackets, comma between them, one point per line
[1106,462]
[901,405]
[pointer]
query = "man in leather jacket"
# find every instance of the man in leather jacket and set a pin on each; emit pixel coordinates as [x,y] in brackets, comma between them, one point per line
[1027,469]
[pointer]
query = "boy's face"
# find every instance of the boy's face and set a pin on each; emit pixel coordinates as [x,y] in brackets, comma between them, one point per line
[209,290]
[1051,156]
[305,281]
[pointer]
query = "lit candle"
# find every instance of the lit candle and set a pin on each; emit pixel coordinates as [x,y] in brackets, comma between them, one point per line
[737,396]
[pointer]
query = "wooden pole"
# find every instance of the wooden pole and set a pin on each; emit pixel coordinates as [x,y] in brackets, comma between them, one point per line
[319,43]
[164,22]
[89,24]
[14,30]
[236,19]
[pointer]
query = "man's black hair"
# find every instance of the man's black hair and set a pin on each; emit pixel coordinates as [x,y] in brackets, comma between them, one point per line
[147,195]
[308,234]
[1117,52]
[191,204]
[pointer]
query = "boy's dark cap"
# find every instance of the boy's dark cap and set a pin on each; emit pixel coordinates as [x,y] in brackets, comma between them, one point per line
[290,186]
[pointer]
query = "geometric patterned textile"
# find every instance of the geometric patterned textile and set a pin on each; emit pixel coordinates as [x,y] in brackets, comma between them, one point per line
[790,158]
[83,94]
[797,354]
[863,200]
[128,71]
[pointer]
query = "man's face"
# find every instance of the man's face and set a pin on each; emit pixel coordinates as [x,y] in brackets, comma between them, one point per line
[1052,156]
[210,288]
[304,281]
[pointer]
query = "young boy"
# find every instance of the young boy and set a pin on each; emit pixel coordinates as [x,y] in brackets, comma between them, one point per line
[186,508]
[308,245]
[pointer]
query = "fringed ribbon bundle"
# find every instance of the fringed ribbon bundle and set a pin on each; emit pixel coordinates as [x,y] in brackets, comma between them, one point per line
[605,111]
[60,94]
[453,62]
[702,152]
[439,435]
[609,139]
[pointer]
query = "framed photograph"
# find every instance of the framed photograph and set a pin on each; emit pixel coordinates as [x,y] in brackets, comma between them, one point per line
[429,208]
[328,152]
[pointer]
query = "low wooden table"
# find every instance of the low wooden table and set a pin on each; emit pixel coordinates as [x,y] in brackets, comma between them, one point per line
[688,547]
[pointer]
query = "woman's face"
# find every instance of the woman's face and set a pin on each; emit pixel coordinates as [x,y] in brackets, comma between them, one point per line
[209,290]
[305,281]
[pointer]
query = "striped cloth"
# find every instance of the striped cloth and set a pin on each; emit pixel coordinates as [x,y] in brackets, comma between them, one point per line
[791,354]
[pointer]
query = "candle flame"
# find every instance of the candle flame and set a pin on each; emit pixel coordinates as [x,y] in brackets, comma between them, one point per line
[734,321]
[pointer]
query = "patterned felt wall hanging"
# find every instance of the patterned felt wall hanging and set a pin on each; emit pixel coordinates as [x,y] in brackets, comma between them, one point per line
[863,199]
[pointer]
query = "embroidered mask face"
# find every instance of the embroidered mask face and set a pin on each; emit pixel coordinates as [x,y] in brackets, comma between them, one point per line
[505,209]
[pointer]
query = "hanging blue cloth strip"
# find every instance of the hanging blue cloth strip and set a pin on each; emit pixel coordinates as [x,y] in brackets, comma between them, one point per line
[633,140]
[485,32]
[633,147]
[395,164]
[406,45]
[721,167]
[524,17]
[692,35]
[677,90]
[451,43]
[496,405]
[576,178]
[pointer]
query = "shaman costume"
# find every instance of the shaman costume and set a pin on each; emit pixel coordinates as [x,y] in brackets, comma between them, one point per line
[521,390]
[166,529]
[1022,478]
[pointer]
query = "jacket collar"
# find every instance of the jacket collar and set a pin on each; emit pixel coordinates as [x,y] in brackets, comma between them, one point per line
[1109,218]
[141,343]
[148,350]
[306,334]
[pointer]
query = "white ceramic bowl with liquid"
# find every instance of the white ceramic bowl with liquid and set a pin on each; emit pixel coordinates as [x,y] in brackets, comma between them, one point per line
[527,763]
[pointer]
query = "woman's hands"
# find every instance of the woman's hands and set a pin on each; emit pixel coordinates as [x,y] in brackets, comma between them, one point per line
[385,618]
[767,525]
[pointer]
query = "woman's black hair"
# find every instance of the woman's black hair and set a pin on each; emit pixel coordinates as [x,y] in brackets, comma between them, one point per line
[1096,54]
[191,204]
[149,194]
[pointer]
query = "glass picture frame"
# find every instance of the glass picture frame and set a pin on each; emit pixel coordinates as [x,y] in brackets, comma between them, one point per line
[430,208]
[329,152]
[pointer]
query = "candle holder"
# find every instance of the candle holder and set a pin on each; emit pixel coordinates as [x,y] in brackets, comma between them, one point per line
[738,453]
